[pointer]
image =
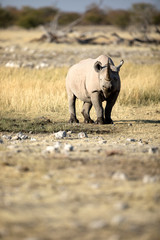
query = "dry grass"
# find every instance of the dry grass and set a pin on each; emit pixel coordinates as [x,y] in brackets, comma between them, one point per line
[32,91]
[140,84]
[43,91]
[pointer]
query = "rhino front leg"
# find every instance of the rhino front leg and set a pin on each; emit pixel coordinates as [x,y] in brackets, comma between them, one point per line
[109,105]
[72,108]
[86,112]
[97,103]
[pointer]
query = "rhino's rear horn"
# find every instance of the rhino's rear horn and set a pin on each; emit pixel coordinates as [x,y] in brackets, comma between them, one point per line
[98,66]
[120,65]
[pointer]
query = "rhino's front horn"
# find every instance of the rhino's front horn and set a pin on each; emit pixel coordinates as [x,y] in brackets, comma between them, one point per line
[108,78]
[120,65]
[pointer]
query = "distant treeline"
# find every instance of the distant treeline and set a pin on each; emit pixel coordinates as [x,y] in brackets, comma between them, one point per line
[139,14]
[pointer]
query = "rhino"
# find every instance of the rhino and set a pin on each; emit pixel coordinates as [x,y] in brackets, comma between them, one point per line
[93,81]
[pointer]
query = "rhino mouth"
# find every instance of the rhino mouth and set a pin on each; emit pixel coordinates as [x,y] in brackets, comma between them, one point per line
[106,93]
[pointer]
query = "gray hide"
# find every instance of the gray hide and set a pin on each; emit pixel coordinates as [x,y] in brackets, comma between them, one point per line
[93,81]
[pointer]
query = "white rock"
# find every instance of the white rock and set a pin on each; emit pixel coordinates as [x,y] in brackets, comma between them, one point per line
[121,206]
[13,64]
[60,134]
[68,147]
[50,149]
[102,142]
[150,179]
[42,65]
[117,219]
[22,136]
[82,135]
[131,140]
[98,224]
[119,176]
[28,65]
[33,139]
[57,147]
[95,185]
[15,138]
[7,137]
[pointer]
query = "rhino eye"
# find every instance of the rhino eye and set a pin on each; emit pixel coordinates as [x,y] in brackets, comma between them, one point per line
[104,87]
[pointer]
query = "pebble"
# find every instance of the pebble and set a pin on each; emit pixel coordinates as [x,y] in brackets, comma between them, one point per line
[50,149]
[114,237]
[19,136]
[42,65]
[13,64]
[33,139]
[6,137]
[57,146]
[153,150]
[102,142]
[69,132]
[119,176]
[60,134]
[95,185]
[68,147]
[121,205]
[28,65]
[1,141]
[82,135]
[15,138]
[150,179]
[131,140]
[117,219]
[98,224]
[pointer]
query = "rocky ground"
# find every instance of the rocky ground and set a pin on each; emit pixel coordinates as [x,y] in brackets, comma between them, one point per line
[102,183]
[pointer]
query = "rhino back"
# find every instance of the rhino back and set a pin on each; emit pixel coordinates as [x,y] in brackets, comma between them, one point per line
[82,79]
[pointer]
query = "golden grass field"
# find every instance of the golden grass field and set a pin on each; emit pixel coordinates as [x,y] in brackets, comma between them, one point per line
[39,92]
[108,187]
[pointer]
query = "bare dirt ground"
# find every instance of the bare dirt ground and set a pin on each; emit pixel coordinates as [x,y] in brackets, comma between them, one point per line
[106,187]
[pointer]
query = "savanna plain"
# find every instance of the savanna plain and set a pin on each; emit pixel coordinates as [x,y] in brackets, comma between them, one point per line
[103,185]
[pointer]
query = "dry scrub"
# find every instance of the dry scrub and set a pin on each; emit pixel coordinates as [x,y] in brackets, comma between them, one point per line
[31,91]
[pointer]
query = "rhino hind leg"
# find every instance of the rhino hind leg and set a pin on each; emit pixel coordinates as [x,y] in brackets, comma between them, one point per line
[72,109]
[86,112]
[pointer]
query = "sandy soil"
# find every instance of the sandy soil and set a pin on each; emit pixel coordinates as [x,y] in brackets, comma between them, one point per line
[107,187]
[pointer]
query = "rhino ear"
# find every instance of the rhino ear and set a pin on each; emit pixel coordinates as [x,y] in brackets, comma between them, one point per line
[98,66]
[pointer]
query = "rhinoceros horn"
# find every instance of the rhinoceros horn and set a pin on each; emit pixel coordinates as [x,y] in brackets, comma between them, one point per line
[108,77]
[120,65]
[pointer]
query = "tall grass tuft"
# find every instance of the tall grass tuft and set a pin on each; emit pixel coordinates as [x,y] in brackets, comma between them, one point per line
[31,91]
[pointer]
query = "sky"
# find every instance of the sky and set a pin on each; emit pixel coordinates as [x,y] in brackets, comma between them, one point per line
[76,6]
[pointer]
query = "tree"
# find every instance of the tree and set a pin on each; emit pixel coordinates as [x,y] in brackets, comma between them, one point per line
[142,14]
[6,17]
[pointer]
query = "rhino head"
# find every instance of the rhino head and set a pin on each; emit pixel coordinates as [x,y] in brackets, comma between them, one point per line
[108,76]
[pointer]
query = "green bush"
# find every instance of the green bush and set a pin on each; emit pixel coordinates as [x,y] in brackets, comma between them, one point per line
[140,14]
[30,17]
[67,18]
[6,18]
[156,18]
[120,18]
[93,16]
